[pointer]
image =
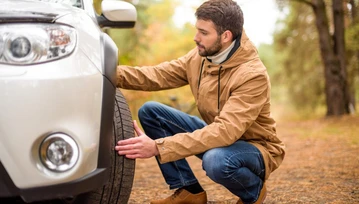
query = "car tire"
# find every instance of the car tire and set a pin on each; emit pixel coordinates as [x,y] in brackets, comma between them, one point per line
[117,190]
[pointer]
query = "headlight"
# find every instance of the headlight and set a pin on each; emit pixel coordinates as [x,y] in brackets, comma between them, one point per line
[28,44]
[59,152]
[1,46]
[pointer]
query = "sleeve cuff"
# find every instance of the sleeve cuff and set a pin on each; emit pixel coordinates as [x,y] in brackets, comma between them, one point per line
[161,149]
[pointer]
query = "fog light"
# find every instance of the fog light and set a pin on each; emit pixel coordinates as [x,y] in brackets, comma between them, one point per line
[59,152]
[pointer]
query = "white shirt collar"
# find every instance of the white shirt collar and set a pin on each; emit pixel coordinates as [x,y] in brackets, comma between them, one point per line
[219,58]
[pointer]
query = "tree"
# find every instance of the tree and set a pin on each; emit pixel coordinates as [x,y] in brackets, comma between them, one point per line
[333,54]
[352,45]
[299,68]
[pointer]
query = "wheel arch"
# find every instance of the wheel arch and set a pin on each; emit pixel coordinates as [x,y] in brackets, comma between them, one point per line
[109,65]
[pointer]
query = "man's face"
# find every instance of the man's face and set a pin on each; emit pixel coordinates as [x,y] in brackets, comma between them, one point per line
[208,41]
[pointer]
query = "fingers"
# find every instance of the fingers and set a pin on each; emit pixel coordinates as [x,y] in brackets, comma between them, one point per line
[129,141]
[130,156]
[138,130]
[127,151]
[124,147]
[137,147]
[129,146]
[130,152]
[133,156]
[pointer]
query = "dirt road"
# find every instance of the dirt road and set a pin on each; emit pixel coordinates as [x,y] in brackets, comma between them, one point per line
[315,170]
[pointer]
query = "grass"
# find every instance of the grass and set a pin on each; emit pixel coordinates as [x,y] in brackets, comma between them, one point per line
[341,128]
[314,123]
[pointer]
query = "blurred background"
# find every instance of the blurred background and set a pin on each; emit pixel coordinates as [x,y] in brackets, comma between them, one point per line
[311,51]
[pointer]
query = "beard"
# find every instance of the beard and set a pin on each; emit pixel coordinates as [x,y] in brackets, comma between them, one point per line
[210,51]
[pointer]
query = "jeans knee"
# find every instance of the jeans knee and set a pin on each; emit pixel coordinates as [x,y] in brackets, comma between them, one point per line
[214,165]
[146,110]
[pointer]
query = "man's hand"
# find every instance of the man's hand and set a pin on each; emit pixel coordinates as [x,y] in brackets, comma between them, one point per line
[137,147]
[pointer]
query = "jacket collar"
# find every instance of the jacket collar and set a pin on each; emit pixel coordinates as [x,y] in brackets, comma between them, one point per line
[242,52]
[225,54]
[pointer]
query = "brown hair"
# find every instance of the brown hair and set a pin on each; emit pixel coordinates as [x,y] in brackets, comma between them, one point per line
[225,14]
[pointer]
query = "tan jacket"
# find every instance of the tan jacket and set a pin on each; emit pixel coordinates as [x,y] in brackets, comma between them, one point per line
[243,96]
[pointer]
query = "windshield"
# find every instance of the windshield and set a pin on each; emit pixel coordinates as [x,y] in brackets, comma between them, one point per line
[76,3]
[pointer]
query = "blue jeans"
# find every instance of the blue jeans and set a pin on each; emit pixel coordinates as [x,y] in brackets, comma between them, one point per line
[238,167]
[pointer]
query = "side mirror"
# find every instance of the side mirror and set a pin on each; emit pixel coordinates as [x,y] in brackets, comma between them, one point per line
[117,14]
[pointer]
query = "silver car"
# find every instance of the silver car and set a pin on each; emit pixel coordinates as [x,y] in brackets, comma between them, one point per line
[61,113]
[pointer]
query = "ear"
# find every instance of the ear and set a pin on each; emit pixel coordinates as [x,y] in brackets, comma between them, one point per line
[227,36]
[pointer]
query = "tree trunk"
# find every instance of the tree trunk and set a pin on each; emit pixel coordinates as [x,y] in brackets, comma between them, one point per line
[354,20]
[335,76]
[355,16]
[340,51]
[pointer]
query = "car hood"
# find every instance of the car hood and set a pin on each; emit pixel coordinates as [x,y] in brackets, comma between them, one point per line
[32,10]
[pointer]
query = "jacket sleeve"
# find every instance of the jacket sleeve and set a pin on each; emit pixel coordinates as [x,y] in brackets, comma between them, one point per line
[237,115]
[166,75]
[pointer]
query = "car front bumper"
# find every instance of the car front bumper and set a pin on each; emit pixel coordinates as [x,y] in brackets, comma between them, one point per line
[70,96]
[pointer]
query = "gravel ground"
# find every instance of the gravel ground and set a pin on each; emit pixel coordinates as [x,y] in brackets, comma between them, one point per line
[315,170]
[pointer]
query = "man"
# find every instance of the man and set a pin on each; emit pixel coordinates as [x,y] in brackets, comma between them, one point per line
[236,139]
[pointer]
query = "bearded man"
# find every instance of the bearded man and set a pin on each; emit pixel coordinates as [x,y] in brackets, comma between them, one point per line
[235,136]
